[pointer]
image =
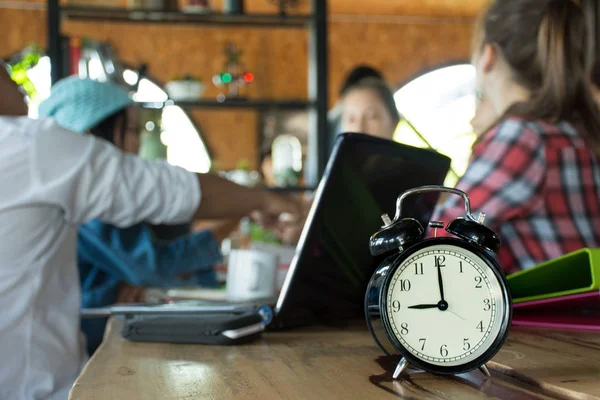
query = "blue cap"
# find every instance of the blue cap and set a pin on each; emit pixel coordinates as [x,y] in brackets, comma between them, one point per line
[80,104]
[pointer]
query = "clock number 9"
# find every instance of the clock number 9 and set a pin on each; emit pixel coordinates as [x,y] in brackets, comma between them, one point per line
[444,350]
[486,305]
[404,329]
[396,305]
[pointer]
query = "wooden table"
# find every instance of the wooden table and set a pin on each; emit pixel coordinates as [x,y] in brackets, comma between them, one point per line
[318,363]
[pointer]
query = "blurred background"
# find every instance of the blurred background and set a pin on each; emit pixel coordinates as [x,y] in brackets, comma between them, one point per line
[223,82]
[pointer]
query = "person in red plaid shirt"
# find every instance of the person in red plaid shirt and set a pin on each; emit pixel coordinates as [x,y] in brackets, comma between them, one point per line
[535,173]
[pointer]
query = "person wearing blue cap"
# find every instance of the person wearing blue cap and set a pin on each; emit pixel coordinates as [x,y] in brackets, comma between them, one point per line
[54,180]
[115,262]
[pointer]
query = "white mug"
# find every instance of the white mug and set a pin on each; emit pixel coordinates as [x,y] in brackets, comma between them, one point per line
[251,274]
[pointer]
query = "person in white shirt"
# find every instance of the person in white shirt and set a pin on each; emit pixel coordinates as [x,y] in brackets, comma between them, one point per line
[52,180]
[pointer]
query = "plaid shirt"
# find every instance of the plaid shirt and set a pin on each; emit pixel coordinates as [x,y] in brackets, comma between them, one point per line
[538,184]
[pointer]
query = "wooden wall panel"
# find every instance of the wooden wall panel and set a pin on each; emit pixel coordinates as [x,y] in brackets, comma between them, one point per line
[278,57]
[429,8]
[231,135]
[399,50]
[21,27]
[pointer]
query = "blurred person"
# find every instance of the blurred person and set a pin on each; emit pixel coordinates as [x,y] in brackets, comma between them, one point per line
[115,264]
[53,180]
[534,172]
[368,107]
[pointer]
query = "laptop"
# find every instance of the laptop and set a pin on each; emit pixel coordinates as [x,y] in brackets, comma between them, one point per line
[327,279]
[328,276]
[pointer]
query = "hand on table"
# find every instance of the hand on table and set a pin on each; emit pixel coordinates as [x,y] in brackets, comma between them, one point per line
[130,294]
[287,226]
[280,206]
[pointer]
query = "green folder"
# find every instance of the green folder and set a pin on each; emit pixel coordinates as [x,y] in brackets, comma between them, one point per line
[573,273]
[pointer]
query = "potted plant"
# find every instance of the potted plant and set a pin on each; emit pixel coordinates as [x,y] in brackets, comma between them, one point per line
[185,88]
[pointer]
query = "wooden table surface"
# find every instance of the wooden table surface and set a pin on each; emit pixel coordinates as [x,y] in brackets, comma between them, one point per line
[319,363]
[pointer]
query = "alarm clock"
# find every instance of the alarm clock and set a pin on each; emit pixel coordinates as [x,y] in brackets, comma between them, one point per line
[443,303]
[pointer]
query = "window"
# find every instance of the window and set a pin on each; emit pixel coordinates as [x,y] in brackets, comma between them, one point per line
[185,147]
[438,107]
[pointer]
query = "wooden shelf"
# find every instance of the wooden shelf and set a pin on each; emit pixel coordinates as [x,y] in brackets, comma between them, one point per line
[235,103]
[290,189]
[178,17]
[315,24]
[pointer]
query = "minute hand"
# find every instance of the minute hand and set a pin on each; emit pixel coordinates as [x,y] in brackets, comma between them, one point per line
[440,280]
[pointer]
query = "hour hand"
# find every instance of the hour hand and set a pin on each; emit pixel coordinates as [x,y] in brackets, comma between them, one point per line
[424,306]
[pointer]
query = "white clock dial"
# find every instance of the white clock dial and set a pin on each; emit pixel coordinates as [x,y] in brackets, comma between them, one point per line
[475,305]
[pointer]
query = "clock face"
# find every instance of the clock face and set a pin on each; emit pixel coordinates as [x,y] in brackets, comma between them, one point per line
[445,305]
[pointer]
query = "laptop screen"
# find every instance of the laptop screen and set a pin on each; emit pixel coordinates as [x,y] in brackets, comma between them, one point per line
[328,277]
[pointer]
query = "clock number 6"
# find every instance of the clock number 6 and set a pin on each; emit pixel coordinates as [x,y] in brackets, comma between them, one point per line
[444,350]
[404,329]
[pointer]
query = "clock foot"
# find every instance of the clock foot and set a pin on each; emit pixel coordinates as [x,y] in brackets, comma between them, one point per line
[484,370]
[400,368]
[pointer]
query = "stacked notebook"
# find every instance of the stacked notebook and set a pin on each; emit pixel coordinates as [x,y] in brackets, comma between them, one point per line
[560,293]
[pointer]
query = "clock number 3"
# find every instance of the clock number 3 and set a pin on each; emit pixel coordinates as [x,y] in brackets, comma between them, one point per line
[486,305]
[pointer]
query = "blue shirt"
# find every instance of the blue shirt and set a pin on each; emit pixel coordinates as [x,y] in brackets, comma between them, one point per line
[108,255]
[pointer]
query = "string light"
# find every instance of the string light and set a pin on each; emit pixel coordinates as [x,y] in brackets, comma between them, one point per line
[226,78]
